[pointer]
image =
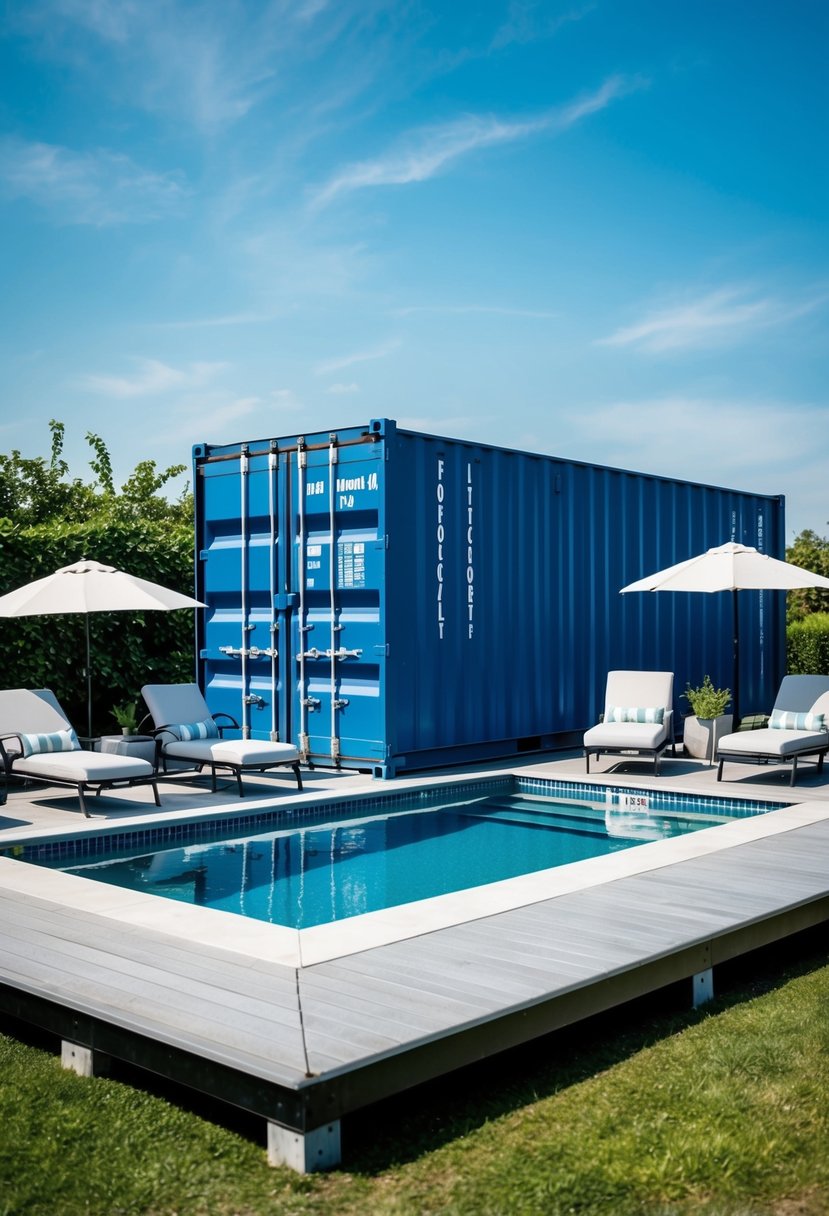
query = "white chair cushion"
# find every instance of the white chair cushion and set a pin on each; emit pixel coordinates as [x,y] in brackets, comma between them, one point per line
[233,751]
[81,766]
[769,742]
[627,734]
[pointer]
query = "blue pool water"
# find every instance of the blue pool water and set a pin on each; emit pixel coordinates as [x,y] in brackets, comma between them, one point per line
[300,869]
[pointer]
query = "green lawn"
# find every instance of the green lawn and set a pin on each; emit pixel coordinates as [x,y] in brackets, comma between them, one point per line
[723,1110]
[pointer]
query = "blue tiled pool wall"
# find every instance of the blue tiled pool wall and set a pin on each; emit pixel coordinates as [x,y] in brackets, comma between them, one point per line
[243,824]
[239,824]
[658,800]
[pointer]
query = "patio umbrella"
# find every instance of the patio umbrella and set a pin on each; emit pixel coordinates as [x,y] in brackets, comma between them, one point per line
[90,587]
[733,568]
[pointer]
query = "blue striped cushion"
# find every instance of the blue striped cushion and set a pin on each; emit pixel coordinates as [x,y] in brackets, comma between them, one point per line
[633,713]
[57,741]
[187,731]
[786,719]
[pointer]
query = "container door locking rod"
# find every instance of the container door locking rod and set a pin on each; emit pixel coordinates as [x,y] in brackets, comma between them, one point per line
[333,457]
[305,701]
[274,624]
[244,469]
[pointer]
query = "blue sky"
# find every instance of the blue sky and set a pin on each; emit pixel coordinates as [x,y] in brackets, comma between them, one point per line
[593,229]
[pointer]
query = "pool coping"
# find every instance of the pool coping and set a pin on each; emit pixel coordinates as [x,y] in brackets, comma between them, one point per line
[300,948]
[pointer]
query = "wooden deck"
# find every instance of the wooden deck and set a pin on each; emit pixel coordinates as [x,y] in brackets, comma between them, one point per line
[303,1047]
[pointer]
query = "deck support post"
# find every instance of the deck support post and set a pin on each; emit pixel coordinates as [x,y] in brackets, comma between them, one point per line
[85,1061]
[306,1152]
[703,983]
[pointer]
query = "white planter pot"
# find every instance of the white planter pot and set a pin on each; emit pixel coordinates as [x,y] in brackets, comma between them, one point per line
[701,735]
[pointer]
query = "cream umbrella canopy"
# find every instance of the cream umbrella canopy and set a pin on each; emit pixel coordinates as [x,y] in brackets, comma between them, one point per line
[87,587]
[730,567]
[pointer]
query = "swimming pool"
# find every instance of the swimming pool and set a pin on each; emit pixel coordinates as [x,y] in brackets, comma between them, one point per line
[310,866]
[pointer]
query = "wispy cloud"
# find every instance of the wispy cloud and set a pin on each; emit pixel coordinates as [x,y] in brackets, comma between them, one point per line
[285,399]
[152,378]
[213,418]
[201,61]
[727,315]
[786,448]
[426,152]
[220,322]
[205,64]
[363,356]
[341,390]
[496,310]
[100,188]
[526,24]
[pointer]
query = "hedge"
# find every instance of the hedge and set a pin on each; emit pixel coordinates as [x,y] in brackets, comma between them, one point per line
[127,649]
[807,645]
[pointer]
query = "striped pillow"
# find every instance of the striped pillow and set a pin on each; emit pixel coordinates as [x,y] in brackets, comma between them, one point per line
[786,719]
[188,731]
[622,713]
[57,741]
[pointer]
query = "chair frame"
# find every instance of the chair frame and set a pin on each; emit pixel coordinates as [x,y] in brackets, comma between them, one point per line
[818,690]
[15,764]
[761,757]
[600,749]
[198,763]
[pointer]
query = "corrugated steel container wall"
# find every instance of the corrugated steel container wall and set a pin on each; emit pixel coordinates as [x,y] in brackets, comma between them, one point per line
[469,606]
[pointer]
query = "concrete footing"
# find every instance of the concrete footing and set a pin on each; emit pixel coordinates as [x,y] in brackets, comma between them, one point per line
[703,986]
[305,1152]
[85,1061]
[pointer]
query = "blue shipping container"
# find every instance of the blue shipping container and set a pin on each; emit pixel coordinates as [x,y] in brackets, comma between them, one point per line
[390,600]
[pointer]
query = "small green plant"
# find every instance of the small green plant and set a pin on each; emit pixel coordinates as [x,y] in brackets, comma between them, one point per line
[708,701]
[127,717]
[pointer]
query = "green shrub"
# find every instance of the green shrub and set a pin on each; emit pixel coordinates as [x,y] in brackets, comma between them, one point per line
[48,520]
[807,645]
[127,649]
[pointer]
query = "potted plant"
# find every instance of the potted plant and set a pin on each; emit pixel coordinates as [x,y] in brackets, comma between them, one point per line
[709,722]
[127,717]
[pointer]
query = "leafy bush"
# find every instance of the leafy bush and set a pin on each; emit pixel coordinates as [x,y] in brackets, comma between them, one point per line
[52,522]
[807,645]
[812,553]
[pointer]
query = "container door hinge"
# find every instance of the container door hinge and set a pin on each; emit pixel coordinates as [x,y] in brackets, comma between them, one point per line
[341,704]
[311,703]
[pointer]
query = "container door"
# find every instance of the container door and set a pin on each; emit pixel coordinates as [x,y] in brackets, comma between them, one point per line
[241,577]
[338,635]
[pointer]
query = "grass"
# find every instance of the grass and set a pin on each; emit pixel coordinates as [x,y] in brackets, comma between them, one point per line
[721,1111]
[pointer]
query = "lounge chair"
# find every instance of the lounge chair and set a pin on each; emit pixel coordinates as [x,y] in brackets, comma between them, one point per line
[798,727]
[37,742]
[638,717]
[186,731]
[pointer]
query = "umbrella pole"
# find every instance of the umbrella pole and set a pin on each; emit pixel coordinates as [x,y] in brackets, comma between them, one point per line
[88,681]
[735,692]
